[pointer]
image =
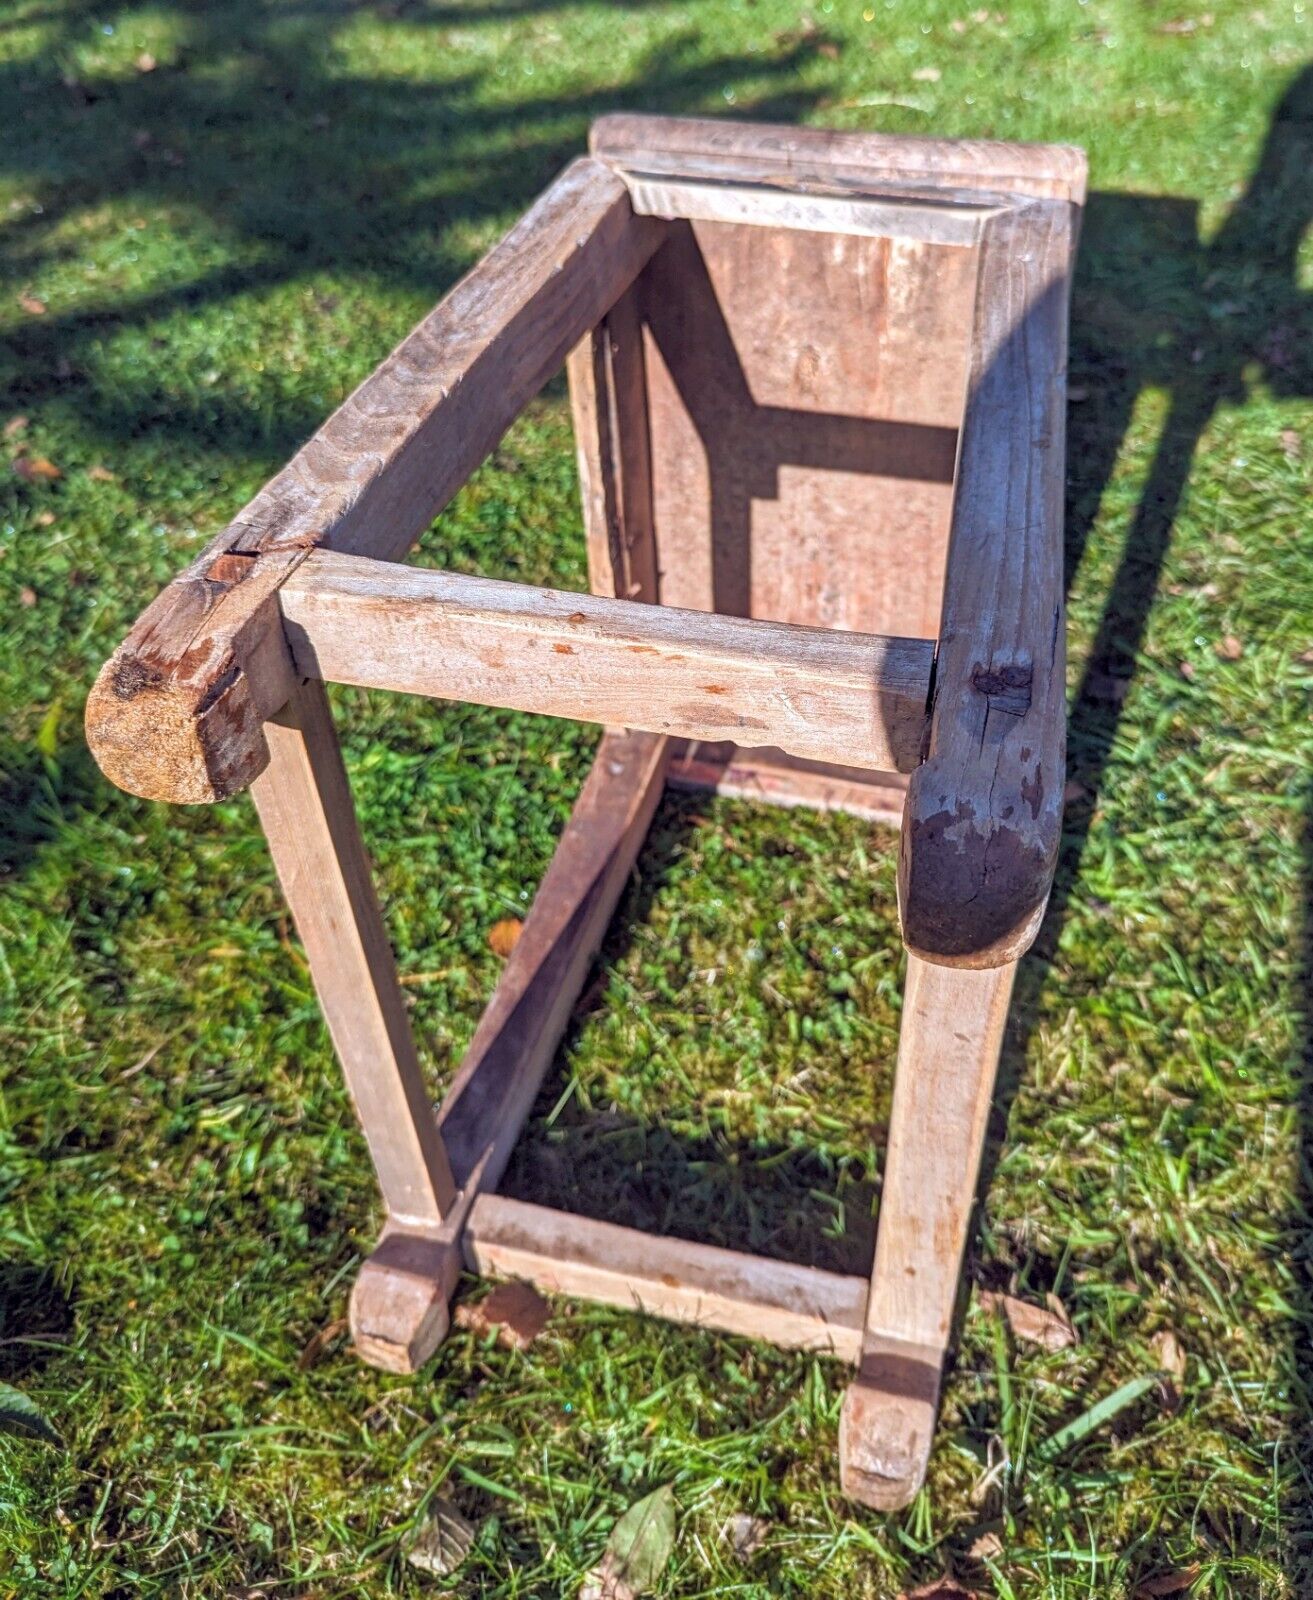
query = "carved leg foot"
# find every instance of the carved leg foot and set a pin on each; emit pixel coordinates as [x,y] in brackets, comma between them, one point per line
[398,1311]
[888,1424]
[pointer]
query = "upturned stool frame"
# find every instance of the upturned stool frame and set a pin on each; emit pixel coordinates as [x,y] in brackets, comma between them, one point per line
[818,385]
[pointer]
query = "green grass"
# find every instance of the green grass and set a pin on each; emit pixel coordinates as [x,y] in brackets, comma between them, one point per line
[225,245]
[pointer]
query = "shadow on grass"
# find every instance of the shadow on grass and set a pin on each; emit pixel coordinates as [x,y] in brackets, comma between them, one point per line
[36,1318]
[1157,307]
[250,133]
[793,1202]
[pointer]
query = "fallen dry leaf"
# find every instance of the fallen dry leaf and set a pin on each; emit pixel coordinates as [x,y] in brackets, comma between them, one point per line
[1166,1583]
[27,595]
[940,1589]
[986,1547]
[1170,1353]
[33,306]
[828,49]
[1230,648]
[517,1311]
[1047,1325]
[36,469]
[15,426]
[746,1534]
[317,1344]
[443,1542]
[1186,669]
[146,62]
[1291,444]
[927,75]
[503,936]
[637,1550]
[44,519]
[100,474]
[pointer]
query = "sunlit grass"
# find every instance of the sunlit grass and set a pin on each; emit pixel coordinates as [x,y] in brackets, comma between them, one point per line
[224,243]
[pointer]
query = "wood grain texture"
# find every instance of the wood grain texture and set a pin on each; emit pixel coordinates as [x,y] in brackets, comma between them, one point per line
[891,215]
[818,694]
[176,714]
[948,1049]
[702,147]
[608,398]
[984,813]
[772,778]
[805,391]
[305,806]
[799,1308]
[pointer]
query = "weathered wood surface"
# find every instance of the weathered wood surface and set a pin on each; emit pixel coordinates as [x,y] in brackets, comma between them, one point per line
[948,1048]
[176,714]
[608,398]
[888,216]
[304,801]
[799,1308]
[773,778]
[984,812]
[748,152]
[805,391]
[823,695]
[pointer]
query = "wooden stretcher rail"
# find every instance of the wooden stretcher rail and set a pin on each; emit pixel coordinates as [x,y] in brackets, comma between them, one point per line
[813,692]
[767,206]
[751,152]
[800,1308]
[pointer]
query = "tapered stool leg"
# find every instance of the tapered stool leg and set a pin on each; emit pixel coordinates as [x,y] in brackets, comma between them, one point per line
[399,1304]
[948,1052]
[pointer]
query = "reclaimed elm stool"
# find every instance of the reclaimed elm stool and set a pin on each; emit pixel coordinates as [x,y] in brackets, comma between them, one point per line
[818,389]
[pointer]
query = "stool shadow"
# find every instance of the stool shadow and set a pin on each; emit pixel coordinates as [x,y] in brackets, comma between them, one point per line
[794,1202]
[1142,257]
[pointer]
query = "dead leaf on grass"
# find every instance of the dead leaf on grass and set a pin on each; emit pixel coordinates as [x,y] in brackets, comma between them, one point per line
[36,469]
[637,1550]
[15,426]
[940,1589]
[1047,1325]
[443,1542]
[33,306]
[516,1310]
[317,1344]
[503,936]
[1231,648]
[100,474]
[746,1534]
[1166,1583]
[1170,1353]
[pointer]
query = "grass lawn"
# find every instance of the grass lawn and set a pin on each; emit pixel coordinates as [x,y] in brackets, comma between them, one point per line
[216,219]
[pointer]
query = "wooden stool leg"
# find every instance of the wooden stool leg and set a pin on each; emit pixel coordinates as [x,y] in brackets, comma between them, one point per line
[948,1052]
[398,1308]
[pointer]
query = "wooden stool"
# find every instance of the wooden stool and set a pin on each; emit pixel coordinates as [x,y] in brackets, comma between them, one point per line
[818,389]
